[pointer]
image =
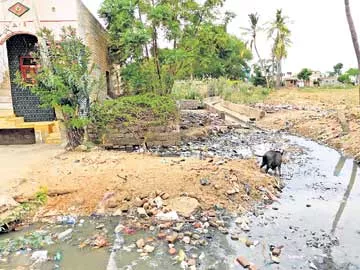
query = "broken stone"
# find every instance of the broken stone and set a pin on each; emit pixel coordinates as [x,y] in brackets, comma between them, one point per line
[223,230]
[140,243]
[179,227]
[165,196]
[64,234]
[186,239]
[231,192]
[141,212]
[249,243]
[172,251]
[158,202]
[161,235]
[171,238]
[191,262]
[170,216]
[234,237]
[245,227]
[275,259]
[196,236]
[204,182]
[276,252]
[185,206]
[243,261]
[149,249]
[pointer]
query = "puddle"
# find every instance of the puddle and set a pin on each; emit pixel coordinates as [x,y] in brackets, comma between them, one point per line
[316,220]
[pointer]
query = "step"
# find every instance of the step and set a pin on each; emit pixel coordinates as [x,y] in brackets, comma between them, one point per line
[5,99]
[6,113]
[5,93]
[6,106]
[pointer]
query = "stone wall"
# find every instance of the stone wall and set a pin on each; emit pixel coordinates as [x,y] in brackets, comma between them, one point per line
[118,135]
[17,136]
[189,104]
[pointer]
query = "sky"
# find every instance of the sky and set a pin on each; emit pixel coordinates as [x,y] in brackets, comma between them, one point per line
[320,33]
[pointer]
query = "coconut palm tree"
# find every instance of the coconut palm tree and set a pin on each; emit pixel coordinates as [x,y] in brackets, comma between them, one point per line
[353,35]
[252,33]
[280,33]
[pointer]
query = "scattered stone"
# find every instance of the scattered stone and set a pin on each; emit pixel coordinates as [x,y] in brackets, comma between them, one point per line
[245,227]
[312,266]
[231,192]
[140,243]
[191,262]
[275,259]
[204,182]
[161,235]
[64,234]
[100,226]
[81,148]
[223,230]
[234,237]
[249,243]
[308,205]
[158,202]
[186,239]
[172,238]
[185,206]
[172,251]
[195,236]
[165,196]
[276,252]
[141,212]
[179,227]
[40,256]
[197,225]
[170,216]
[149,249]
[243,261]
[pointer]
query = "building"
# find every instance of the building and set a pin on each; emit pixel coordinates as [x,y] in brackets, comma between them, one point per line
[19,23]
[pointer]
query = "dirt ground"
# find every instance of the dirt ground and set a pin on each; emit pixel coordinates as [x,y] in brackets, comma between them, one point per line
[78,181]
[328,116]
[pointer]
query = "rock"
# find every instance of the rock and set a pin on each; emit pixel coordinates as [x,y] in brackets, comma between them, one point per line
[239,220]
[165,196]
[186,240]
[312,266]
[191,262]
[139,202]
[170,216]
[243,261]
[40,256]
[140,243]
[234,237]
[119,228]
[245,227]
[308,205]
[161,235]
[7,203]
[172,251]
[276,252]
[185,206]
[148,249]
[64,234]
[223,230]
[249,243]
[171,238]
[195,236]
[252,267]
[197,225]
[217,187]
[158,202]
[204,182]
[141,212]
[179,227]
[81,148]
[275,259]
[231,192]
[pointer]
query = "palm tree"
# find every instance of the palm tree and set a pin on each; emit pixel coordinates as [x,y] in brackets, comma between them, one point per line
[252,33]
[353,35]
[280,34]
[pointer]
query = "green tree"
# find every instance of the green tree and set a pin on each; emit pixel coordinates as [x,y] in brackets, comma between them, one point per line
[199,47]
[257,77]
[252,33]
[65,80]
[338,69]
[304,74]
[279,33]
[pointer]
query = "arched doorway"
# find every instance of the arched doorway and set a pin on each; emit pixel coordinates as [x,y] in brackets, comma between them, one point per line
[25,103]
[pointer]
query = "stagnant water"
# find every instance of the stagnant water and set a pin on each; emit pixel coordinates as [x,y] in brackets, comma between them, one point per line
[317,219]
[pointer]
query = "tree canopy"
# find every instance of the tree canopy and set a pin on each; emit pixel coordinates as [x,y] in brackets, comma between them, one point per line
[195,37]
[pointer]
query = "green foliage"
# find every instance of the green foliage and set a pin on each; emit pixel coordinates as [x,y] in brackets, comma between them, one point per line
[344,78]
[337,69]
[187,90]
[42,195]
[347,76]
[65,79]
[134,112]
[199,47]
[257,78]
[304,74]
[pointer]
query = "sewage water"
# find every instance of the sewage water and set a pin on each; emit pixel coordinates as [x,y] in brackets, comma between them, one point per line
[317,219]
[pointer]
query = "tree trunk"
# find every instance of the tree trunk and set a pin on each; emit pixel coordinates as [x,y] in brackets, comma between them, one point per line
[278,74]
[353,35]
[261,64]
[155,48]
[146,47]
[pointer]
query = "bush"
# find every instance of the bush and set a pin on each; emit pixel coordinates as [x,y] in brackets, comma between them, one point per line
[134,111]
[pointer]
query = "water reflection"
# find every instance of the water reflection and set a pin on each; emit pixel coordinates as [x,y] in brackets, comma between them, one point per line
[339,166]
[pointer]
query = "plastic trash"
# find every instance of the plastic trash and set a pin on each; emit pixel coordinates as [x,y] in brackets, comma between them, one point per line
[39,256]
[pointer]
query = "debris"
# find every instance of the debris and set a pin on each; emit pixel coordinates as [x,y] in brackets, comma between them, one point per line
[185,206]
[234,237]
[140,243]
[64,234]
[100,241]
[170,216]
[141,212]
[165,196]
[40,256]
[181,255]
[245,227]
[159,202]
[312,266]
[66,220]
[148,249]
[204,182]
[186,240]
[243,261]
[275,259]
[172,238]
[172,251]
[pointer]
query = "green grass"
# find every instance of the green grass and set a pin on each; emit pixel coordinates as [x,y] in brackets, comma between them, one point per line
[234,91]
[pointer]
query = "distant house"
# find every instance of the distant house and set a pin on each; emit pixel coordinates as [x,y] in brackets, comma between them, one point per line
[330,81]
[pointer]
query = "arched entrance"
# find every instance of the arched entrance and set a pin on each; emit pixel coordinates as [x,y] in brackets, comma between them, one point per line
[25,103]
